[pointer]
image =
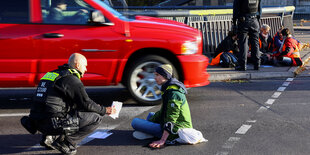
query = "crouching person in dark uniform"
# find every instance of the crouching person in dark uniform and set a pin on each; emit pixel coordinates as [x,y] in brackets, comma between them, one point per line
[246,14]
[62,110]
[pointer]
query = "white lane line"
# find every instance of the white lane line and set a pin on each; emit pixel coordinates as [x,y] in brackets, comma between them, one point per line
[286,84]
[231,142]
[251,121]
[262,109]
[243,129]
[281,88]
[289,79]
[222,153]
[276,94]
[14,114]
[36,147]
[270,101]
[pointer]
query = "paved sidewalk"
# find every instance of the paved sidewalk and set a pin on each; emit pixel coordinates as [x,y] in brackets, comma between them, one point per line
[218,73]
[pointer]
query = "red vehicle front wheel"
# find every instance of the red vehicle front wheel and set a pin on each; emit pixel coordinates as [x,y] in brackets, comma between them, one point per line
[140,80]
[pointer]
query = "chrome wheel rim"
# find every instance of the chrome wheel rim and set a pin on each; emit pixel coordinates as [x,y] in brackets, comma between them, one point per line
[143,84]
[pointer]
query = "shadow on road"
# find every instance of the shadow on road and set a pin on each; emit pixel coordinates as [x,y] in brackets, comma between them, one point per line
[22,98]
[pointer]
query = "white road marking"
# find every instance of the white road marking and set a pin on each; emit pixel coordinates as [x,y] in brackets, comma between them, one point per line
[251,121]
[14,114]
[270,101]
[276,94]
[222,153]
[289,79]
[281,88]
[243,129]
[231,142]
[262,109]
[286,84]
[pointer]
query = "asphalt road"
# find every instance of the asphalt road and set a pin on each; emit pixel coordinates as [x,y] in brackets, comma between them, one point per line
[238,118]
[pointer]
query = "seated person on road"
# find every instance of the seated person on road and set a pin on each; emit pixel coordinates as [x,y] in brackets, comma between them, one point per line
[289,51]
[62,110]
[265,44]
[229,44]
[56,14]
[173,115]
[277,41]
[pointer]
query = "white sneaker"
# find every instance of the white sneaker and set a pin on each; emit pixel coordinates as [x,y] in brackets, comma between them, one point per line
[141,135]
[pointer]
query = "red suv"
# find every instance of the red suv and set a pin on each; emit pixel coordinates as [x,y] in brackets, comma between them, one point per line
[36,36]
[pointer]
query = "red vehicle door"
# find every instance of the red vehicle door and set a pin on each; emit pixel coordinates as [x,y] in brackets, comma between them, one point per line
[19,57]
[60,38]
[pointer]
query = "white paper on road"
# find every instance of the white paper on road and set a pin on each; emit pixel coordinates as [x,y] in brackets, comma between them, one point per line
[118,107]
[100,135]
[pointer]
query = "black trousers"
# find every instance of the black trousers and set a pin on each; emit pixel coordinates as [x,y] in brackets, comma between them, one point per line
[248,30]
[88,122]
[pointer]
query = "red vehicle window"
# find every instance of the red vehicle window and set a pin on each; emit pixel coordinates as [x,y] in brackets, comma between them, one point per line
[65,12]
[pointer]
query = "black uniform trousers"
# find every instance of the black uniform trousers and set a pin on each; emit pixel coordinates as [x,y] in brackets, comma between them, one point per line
[248,30]
[88,122]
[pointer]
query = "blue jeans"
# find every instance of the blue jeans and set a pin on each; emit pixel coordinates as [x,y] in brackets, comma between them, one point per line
[147,126]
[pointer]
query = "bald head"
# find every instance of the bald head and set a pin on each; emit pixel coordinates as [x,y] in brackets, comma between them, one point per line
[79,62]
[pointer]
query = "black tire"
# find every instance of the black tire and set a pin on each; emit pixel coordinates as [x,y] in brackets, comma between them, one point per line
[140,80]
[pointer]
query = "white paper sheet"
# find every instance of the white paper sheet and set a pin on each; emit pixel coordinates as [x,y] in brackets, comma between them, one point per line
[118,107]
[100,135]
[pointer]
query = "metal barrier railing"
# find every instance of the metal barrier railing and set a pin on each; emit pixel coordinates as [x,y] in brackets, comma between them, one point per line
[214,31]
[215,24]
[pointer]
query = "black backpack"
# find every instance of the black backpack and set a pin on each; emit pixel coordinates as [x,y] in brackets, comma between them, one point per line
[228,60]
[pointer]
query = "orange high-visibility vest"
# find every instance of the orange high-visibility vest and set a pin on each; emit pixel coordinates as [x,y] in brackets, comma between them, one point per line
[216,61]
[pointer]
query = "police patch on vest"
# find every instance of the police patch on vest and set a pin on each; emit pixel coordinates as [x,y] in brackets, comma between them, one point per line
[51,76]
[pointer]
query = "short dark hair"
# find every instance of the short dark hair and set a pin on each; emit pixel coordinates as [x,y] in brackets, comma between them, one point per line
[285,32]
[232,33]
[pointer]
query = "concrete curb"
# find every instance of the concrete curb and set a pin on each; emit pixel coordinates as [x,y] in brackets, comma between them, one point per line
[235,75]
[249,76]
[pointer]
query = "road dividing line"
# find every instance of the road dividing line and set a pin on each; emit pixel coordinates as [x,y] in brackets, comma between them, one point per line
[13,115]
[243,129]
[270,101]
[231,142]
[262,109]
[276,94]
[222,153]
[289,79]
[286,84]
[251,121]
[281,88]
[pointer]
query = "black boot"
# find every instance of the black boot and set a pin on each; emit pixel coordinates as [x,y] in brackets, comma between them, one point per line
[47,141]
[256,67]
[62,145]
[240,68]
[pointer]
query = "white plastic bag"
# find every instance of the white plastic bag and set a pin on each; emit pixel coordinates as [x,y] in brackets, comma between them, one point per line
[190,136]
